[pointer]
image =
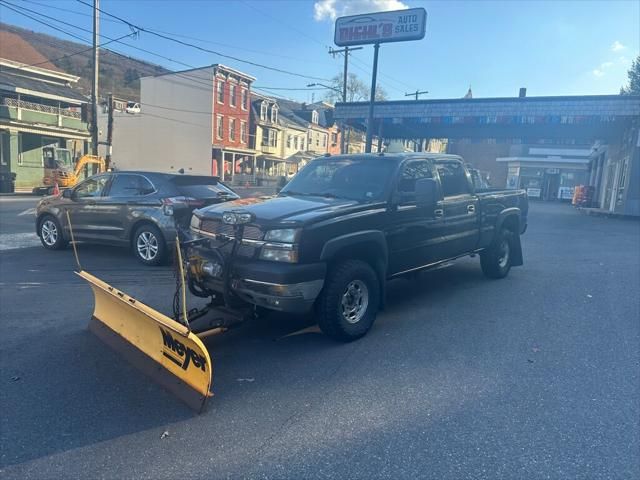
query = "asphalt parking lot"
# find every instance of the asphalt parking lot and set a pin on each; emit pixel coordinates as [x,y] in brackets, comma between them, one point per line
[534,376]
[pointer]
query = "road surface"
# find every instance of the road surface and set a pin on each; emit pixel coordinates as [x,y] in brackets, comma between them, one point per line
[534,376]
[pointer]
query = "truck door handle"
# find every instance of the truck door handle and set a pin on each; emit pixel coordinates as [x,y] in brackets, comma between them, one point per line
[471,208]
[91,202]
[438,213]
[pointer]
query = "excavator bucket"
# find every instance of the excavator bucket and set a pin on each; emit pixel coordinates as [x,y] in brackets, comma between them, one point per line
[159,346]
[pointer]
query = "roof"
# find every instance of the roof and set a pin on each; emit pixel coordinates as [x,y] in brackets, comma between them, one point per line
[14,47]
[31,86]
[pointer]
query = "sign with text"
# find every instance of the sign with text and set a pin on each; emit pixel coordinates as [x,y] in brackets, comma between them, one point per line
[381,27]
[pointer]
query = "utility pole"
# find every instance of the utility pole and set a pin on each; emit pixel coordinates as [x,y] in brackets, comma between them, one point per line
[109,132]
[94,87]
[416,93]
[346,51]
[372,99]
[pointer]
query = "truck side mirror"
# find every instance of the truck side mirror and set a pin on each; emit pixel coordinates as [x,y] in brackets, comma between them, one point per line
[427,192]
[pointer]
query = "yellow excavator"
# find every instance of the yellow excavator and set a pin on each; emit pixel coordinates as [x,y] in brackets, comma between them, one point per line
[58,169]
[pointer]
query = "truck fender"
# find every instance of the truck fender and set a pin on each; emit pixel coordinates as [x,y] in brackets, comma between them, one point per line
[509,214]
[379,260]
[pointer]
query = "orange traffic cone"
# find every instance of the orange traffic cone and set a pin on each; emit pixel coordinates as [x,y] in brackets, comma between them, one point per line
[56,189]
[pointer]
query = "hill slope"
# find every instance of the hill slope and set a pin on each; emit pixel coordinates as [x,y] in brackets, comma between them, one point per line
[118,74]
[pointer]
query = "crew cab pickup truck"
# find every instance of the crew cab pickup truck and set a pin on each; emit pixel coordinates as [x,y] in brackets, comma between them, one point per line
[343,226]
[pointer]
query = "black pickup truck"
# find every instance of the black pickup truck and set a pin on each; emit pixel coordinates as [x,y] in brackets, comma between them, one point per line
[343,226]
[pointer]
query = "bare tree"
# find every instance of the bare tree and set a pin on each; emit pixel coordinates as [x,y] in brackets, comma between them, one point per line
[357,90]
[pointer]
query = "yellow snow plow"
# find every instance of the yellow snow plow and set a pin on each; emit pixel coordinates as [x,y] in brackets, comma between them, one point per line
[170,350]
[159,346]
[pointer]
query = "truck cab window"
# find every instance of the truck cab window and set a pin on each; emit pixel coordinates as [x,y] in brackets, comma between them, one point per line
[453,179]
[411,172]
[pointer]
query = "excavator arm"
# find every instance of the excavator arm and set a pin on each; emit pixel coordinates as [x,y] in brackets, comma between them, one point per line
[89,160]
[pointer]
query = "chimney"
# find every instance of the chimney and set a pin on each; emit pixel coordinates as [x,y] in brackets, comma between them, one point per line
[523,92]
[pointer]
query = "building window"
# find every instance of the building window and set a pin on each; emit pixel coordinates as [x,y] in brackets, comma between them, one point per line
[232,130]
[220,91]
[289,141]
[317,140]
[324,140]
[295,142]
[274,114]
[263,111]
[334,139]
[232,95]
[245,98]
[269,138]
[19,149]
[243,132]
[220,127]
[314,117]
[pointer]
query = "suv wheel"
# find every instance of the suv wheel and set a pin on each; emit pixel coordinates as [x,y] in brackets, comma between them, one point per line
[149,245]
[496,260]
[349,301]
[50,233]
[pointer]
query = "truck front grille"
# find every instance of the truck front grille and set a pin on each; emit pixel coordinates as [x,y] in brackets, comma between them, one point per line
[215,226]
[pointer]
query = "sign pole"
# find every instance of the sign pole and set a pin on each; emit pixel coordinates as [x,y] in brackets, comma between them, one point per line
[372,98]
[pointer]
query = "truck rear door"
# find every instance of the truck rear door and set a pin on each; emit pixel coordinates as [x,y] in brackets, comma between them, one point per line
[460,209]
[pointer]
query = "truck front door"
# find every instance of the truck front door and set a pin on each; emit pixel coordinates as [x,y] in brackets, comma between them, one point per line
[414,233]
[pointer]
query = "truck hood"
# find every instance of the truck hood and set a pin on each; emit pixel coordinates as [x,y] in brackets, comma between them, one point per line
[282,210]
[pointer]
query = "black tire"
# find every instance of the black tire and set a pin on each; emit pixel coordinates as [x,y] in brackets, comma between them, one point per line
[348,322]
[496,260]
[149,245]
[50,233]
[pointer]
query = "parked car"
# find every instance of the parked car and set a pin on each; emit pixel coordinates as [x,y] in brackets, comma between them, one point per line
[141,210]
[133,107]
[343,226]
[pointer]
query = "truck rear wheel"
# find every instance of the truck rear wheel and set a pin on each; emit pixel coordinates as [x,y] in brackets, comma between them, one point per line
[349,301]
[496,260]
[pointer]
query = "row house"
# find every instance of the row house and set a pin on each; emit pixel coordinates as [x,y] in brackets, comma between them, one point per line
[41,120]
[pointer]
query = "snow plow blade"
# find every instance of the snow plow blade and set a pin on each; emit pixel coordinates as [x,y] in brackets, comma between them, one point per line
[157,345]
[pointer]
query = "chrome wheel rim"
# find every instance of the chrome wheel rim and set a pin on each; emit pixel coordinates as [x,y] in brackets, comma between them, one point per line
[147,245]
[503,259]
[49,232]
[355,301]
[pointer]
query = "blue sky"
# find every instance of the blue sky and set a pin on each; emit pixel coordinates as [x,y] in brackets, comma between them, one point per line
[550,47]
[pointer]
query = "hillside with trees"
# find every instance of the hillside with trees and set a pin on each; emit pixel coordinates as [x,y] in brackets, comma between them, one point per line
[119,74]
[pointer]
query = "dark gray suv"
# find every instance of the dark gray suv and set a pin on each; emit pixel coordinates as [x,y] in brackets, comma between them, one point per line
[141,210]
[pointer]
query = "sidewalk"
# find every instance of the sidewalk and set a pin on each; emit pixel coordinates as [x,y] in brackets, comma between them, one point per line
[602,212]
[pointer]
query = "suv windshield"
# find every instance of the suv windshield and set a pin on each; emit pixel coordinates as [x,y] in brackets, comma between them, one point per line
[362,179]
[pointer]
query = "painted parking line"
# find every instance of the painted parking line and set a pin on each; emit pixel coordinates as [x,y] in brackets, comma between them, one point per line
[12,241]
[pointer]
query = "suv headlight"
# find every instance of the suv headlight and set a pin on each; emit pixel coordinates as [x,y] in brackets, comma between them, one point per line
[279,252]
[195,222]
[284,235]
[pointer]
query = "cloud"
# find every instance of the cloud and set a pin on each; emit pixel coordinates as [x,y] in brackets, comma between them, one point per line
[600,71]
[331,9]
[617,46]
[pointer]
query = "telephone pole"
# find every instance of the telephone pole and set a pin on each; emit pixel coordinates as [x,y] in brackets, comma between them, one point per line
[94,87]
[416,93]
[345,51]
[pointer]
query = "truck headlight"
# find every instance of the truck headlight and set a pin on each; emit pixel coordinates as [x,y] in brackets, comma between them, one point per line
[283,252]
[195,222]
[284,235]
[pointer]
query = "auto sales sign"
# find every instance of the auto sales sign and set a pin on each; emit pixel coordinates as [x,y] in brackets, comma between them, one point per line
[381,27]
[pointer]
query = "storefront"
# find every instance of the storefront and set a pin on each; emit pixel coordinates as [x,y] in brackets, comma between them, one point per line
[547,178]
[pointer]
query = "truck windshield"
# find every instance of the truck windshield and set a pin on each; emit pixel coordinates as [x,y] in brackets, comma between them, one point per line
[361,179]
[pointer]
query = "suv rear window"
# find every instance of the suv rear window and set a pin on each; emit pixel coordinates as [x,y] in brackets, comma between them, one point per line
[201,187]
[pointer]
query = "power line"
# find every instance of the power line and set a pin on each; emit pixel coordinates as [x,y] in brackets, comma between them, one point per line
[187,44]
[260,52]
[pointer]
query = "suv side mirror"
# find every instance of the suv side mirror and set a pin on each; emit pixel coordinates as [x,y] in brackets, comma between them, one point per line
[68,193]
[427,194]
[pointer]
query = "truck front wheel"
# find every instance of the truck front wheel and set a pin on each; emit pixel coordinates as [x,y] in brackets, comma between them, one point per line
[496,260]
[349,301]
